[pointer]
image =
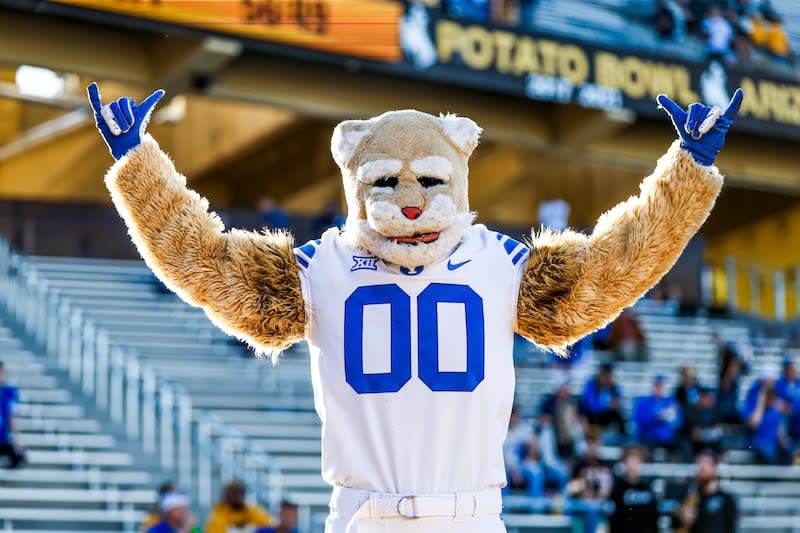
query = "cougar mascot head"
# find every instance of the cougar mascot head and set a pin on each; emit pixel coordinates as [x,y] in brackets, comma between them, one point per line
[405,179]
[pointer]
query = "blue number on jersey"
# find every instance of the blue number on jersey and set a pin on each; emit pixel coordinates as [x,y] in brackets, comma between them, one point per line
[428,324]
[400,305]
[428,338]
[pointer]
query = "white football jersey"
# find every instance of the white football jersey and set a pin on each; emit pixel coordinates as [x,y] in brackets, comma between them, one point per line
[412,369]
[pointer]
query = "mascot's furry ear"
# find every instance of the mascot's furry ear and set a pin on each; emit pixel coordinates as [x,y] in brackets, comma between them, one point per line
[461,131]
[346,139]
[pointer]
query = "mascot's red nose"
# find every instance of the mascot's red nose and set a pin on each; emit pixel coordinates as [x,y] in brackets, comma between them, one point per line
[412,212]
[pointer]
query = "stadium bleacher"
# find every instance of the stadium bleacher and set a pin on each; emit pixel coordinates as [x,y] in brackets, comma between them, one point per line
[270,408]
[75,478]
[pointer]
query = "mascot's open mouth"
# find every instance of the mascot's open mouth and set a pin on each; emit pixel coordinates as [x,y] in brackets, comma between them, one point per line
[417,238]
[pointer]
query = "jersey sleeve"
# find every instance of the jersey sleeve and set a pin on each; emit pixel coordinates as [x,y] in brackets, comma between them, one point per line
[516,253]
[309,259]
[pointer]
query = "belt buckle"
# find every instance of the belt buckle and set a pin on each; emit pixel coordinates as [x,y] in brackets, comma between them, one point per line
[401,501]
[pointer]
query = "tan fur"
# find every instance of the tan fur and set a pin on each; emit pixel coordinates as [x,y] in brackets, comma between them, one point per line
[574,284]
[405,136]
[248,283]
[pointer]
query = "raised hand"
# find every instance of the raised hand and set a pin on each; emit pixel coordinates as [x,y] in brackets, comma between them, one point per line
[122,123]
[701,128]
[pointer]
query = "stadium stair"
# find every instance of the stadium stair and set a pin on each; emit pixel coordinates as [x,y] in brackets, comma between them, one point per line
[79,476]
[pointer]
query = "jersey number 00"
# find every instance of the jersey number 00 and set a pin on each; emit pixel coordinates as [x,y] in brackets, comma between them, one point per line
[427,338]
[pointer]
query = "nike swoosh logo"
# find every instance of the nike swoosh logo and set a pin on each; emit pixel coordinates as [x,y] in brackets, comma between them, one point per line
[451,266]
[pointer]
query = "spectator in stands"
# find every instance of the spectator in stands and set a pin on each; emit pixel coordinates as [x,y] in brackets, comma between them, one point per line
[602,400]
[10,445]
[233,511]
[626,338]
[705,508]
[703,423]
[591,477]
[272,215]
[765,415]
[658,418]
[767,32]
[788,385]
[635,507]
[559,412]
[515,447]
[176,517]
[687,391]
[331,217]
[719,35]
[530,472]
[590,484]
[728,388]
[287,520]
[155,514]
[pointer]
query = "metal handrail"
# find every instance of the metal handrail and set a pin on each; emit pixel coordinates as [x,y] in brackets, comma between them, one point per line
[153,409]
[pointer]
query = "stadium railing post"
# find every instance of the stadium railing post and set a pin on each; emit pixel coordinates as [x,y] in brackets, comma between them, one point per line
[102,348]
[115,398]
[132,390]
[88,357]
[204,463]
[148,408]
[185,451]
[755,289]
[780,295]
[165,400]
[75,345]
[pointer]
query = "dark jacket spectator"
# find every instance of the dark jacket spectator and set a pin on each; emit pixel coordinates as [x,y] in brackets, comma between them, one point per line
[635,508]
[728,387]
[602,400]
[687,390]
[703,423]
[272,215]
[591,477]
[560,411]
[626,338]
[705,508]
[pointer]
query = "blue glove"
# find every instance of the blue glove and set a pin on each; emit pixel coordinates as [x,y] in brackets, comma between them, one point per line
[122,123]
[702,129]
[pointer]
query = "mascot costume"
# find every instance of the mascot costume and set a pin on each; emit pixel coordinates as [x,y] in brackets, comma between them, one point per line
[410,310]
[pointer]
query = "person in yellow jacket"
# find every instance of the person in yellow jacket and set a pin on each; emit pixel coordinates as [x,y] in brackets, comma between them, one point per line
[768,33]
[233,514]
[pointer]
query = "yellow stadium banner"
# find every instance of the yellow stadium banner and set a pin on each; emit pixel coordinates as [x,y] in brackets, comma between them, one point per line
[359,28]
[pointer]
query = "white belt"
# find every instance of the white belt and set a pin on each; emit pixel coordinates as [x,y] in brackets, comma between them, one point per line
[458,505]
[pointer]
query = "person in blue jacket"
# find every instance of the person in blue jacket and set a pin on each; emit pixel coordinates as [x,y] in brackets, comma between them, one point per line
[601,402]
[765,415]
[658,418]
[788,385]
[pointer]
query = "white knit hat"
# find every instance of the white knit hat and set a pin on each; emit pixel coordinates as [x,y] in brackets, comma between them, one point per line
[173,500]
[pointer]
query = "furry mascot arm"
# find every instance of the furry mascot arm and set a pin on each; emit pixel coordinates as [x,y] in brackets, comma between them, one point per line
[248,283]
[574,284]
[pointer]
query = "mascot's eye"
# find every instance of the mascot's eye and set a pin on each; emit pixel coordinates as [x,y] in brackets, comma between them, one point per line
[390,181]
[427,181]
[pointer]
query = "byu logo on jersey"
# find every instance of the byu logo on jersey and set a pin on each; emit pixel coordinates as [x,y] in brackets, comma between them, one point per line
[364,263]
